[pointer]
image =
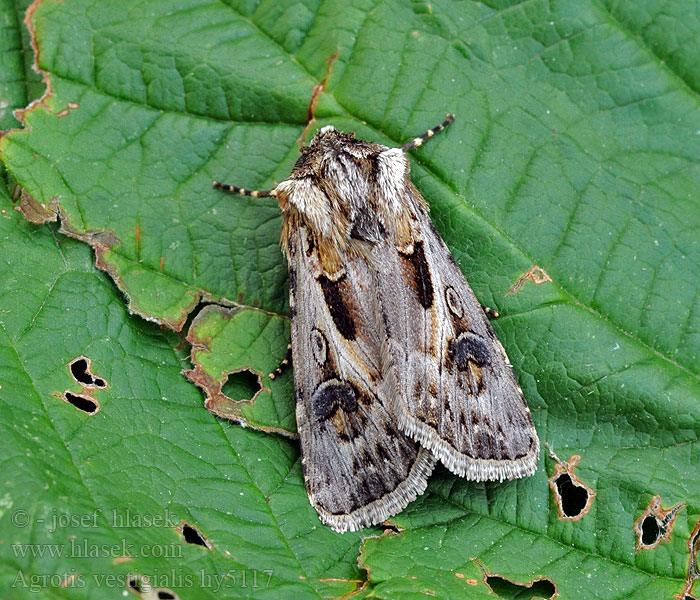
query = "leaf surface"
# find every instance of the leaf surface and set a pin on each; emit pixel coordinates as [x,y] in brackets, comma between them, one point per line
[575,149]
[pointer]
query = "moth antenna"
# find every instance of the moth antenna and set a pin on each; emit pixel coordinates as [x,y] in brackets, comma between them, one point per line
[416,142]
[282,367]
[234,189]
[490,312]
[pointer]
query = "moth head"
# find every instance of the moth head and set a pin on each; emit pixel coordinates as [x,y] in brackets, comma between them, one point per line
[328,136]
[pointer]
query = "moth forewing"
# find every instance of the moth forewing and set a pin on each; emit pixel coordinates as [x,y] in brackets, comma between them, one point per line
[395,362]
[456,394]
[359,468]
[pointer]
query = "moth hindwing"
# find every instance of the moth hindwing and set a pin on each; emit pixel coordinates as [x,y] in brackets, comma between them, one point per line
[395,362]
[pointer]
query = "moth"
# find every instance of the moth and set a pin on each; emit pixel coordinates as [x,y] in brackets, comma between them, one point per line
[395,362]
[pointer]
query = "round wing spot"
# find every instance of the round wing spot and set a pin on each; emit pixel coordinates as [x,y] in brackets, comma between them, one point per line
[453,302]
[319,346]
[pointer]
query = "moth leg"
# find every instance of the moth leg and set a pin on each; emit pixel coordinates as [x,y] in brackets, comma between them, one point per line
[416,142]
[282,367]
[490,312]
[234,189]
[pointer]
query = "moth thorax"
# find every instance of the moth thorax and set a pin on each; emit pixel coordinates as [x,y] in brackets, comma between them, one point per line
[310,201]
[392,172]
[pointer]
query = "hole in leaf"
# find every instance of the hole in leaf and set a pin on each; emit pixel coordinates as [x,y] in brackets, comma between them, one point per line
[80,369]
[135,584]
[242,385]
[655,524]
[542,588]
[193,536]
[166,595]
[391,527]
[650,530]
[83,403]
[573,497]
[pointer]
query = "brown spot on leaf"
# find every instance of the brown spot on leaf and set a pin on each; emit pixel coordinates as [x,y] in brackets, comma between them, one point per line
[655,524]
[572,497]
[34,211]
[137,237]
[66,111]
[472,582]
[535,274]
[359,585]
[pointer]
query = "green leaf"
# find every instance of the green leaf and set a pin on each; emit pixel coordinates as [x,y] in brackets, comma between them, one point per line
[227,342]
[575,150]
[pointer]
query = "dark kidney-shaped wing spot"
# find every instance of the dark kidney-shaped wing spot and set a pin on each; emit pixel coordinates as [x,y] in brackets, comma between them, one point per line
[468,348]
[333,291]
[418,273]
[331,396]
